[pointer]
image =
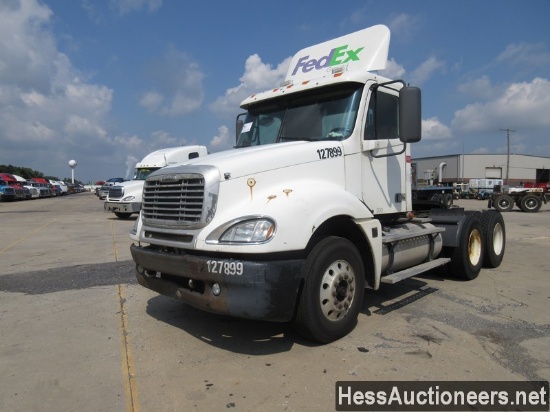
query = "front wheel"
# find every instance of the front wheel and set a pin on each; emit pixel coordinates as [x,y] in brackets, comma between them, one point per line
[333,291]
[122,215]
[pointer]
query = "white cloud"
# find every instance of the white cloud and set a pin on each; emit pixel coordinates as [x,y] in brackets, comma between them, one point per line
[258,76]
[177,89]
[222,141]
[480,88]
[433,129]
[131,143]
[525,55]
[423,72]
[520,106]
[78,125]
[162,139]
[151,101]
[402,26]
[128,6]
[42,97]
[393,70]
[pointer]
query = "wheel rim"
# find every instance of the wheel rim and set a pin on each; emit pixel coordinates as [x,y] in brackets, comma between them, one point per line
[503,203]
[531,204]
[337,290]
[474,247]
[498,239]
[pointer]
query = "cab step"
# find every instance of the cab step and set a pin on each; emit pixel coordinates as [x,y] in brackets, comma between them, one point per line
[415,270]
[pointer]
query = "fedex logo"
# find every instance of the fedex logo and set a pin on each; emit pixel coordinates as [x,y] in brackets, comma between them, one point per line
[338,55]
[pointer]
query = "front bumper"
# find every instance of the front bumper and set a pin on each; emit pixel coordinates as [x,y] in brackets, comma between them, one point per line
[7,197]
[134,207]
[265,290]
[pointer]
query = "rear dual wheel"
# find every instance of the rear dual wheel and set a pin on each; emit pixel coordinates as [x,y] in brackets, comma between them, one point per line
[467,257]
[530,203]
[494,236]
[503,203]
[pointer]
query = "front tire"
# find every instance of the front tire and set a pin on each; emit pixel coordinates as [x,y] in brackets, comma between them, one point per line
[333,291]
[122,215]
[467,257]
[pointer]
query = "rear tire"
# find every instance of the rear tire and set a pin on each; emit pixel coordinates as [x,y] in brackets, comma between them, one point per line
[494,236]
[530,203]
[448,200]
[333,291]
[467,257]
[503,203]
[122,215]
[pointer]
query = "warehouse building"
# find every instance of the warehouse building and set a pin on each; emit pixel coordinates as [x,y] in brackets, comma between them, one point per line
[517,169]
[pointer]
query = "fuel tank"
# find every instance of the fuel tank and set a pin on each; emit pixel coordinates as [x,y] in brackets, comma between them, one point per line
[409,244]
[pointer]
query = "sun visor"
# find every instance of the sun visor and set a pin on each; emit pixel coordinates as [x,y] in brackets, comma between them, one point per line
[365,50]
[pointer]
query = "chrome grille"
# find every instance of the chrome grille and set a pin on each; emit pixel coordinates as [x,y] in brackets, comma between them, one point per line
[116,192]
[173,199]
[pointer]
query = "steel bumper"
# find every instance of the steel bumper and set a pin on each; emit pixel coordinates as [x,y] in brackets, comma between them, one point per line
[265,290]
[122,207]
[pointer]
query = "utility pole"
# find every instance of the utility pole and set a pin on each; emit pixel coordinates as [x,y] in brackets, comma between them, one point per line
[508,153]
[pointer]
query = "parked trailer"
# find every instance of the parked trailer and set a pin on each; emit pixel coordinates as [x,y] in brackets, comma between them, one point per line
[528,199]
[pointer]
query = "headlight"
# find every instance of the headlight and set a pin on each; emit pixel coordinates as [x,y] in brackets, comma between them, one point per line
[248,231]
[252,231]
[128,198]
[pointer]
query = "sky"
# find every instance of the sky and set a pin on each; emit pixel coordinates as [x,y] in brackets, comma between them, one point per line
[105,82]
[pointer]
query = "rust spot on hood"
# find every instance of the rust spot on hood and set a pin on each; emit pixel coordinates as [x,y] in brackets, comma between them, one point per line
[251,182]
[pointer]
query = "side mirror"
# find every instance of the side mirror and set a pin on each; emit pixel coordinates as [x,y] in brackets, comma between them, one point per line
[410,115]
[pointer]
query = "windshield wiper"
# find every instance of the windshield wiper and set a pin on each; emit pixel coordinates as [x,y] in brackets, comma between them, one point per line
[307,139]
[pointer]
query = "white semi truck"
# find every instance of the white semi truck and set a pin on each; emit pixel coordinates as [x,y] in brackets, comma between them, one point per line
[125,198]
[312,206]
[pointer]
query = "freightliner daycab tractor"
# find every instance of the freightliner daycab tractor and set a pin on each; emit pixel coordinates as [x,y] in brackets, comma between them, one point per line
[312,206]
[125,198]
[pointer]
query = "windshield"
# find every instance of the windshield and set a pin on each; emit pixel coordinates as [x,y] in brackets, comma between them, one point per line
[141,174]
[324,114]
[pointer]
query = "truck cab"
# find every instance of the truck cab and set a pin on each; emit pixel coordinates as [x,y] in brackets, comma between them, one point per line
[7,193]
[124,199]
[312,206]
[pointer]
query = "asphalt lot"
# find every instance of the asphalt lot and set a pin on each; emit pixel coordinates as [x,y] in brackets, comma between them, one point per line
[79,334]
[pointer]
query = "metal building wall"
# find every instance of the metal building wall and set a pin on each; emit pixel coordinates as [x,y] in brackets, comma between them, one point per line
[523,168]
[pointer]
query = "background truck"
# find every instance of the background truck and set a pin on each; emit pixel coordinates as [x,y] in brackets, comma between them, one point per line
[312,206]
[125,198]
[7,193]
[528,198]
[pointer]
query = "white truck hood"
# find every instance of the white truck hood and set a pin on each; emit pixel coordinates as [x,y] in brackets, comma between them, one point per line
[242,162]
[131,185]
